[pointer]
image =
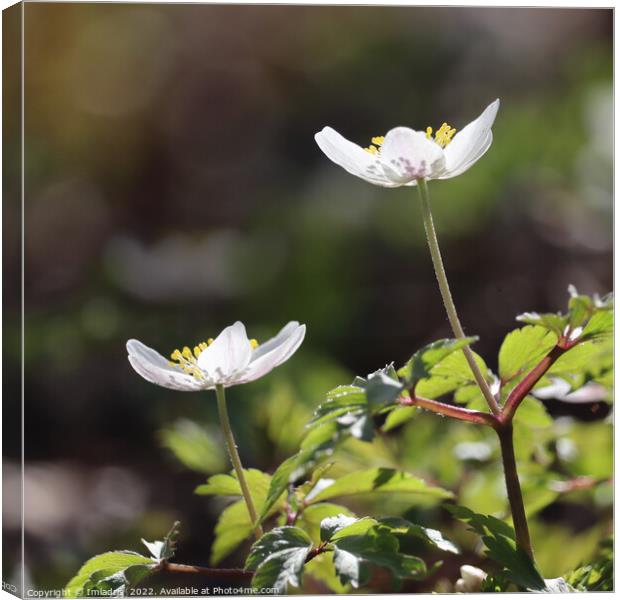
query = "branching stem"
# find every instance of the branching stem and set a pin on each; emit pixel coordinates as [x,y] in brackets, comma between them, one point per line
[448,410]
[210,572]
[446,295]
[524,387]
[234,457]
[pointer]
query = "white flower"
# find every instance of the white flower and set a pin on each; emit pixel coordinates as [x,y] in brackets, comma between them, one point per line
[471,579]
[230,359]
[404,155]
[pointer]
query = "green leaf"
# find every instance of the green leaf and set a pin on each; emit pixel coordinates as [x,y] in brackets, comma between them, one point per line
[533,414]
[318,443]
[554,322]
[322,569]
[342,525]
[381,389]
[194,446]
[345,413]
[234,524]
[380,480]
[593,314]
[522,349]
[499,539]
[398,416]
[403,529]
[339,401]
[278,558]
[111,570]
[355,555]
[422,362]
[597,576]
[164,549]
[601,325]
[220,485]
[312,516]
[451,373]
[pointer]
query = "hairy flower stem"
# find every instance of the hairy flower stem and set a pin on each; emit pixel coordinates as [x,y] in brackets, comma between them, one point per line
[513,487]
[234,457]
[446,295]
[504,431]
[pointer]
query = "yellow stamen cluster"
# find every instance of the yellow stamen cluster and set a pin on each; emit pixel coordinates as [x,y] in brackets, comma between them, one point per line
[187,360]
[443,136]
[376,142]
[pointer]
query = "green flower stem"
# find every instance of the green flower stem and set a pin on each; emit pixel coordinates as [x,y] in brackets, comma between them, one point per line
[513,487]
[234,457]
[444,288]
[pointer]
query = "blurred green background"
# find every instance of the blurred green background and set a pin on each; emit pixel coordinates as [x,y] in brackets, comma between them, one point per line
[173,186]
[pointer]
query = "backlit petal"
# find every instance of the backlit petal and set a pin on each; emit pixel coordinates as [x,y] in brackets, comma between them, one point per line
[351,157]
[278,354]
[470,144]
[275,341]
[228,355]
[156,369]
[407,155]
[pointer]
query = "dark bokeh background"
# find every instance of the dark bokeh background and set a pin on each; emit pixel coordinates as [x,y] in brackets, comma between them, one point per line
[173,186]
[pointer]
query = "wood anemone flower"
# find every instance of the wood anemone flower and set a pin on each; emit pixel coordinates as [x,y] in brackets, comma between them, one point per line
[404,155]
[230,359]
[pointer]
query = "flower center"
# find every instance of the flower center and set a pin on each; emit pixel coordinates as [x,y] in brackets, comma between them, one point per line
[187,359]
[443,136]
[376,142]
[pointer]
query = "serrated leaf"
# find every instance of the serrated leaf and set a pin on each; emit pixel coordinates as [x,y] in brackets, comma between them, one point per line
[164,549]
[334,528]
[278,558]
[554,322]
[319,442]
[355,555]
[220,485]
[109,565]
[382,389]
[405,529]
[522,349]
[339,401]
[332,524]
[582,310]
[380,480]
[499,539]
[422,362]
[234,524]
[601,325]
[312,516]
[450,374]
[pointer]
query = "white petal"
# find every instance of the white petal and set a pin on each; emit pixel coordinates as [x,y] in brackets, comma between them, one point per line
[228,355]
[469,144]
[408,155]
[275,341]
[351,157]
[276,356]
[156,369]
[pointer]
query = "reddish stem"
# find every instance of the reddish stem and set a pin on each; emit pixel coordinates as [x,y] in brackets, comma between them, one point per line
[192,569]
[448,410]
[524,387]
